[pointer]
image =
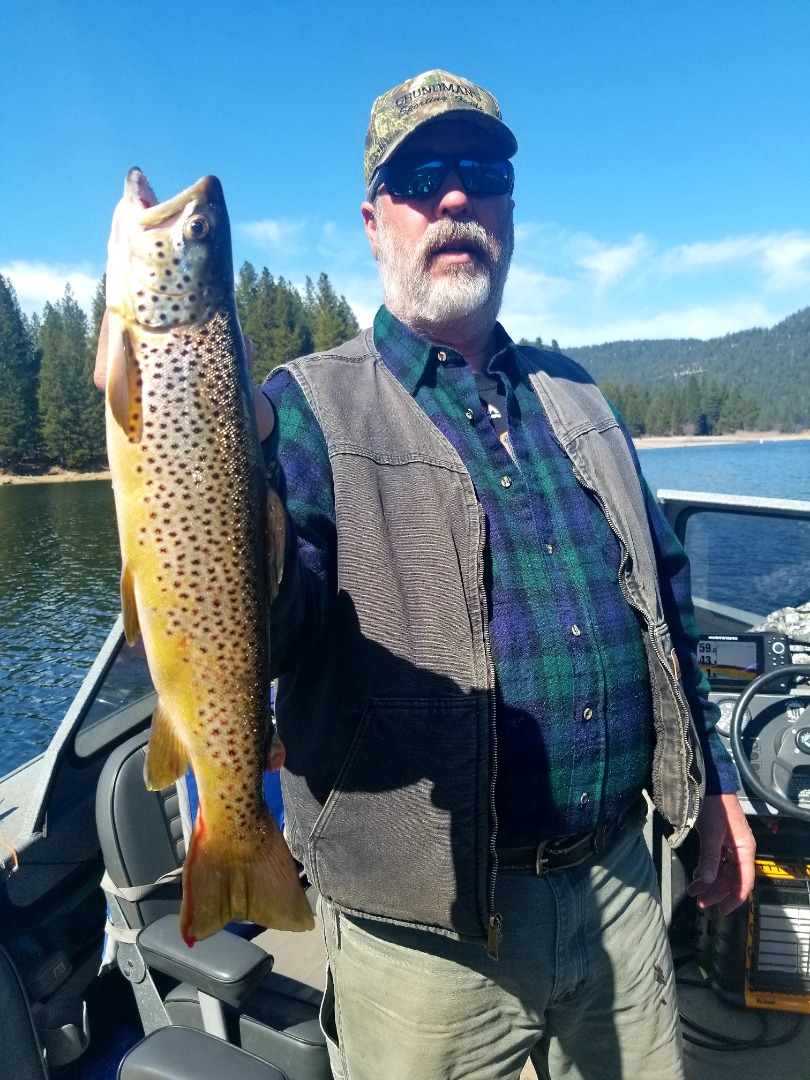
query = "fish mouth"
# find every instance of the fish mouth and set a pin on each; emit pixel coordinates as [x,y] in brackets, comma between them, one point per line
[153,213]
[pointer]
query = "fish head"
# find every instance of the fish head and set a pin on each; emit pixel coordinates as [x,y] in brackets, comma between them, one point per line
[169,264]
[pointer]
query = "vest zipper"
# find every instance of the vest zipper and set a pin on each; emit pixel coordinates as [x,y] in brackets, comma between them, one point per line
[495,921]
[680,699]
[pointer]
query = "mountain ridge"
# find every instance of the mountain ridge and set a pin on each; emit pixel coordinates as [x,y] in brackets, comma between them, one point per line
[773,364]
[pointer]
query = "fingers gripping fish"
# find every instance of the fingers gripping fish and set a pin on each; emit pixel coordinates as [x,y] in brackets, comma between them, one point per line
[200,534]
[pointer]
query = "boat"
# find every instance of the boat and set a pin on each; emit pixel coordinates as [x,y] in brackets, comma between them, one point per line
[82,991]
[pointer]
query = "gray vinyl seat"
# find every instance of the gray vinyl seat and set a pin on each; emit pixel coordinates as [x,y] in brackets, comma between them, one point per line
[178,1053]
[21,1052]
[34,1038]
[225,984]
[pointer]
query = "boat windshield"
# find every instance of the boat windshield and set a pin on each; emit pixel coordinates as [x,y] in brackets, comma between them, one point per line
[746,568]
[125,698]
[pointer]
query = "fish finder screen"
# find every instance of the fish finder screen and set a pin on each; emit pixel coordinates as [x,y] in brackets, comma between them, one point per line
[729,661]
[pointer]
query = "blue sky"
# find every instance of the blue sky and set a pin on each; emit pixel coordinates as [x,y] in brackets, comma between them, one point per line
[662,176]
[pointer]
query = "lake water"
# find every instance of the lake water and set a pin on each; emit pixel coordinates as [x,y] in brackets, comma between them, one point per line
[59,572]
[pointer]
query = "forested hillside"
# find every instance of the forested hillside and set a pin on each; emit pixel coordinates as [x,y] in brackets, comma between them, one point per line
[50,411]
[770,366]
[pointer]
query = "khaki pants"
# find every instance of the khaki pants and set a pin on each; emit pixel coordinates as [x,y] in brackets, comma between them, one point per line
[584,982]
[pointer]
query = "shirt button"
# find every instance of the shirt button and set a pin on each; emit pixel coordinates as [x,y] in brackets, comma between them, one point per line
[506,481]
[587,714]
[584,798]
[442,355]
[575,630]
[469,414]
[550,548]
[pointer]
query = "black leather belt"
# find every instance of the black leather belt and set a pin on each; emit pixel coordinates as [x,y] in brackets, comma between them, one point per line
[559,853]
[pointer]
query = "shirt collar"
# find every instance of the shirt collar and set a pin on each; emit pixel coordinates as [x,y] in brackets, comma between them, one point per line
[409,356]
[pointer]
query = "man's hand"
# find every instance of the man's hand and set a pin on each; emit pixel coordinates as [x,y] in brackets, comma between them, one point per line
[274,754]
[725,869]
[265,417]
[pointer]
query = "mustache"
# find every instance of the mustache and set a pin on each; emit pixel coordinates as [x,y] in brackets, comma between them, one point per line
[451,233]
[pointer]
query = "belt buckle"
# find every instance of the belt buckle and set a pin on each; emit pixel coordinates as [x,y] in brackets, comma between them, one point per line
[540,861]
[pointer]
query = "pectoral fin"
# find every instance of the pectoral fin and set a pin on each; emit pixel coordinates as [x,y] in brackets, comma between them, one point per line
[129,608]
[276,541]
[166,756]
[124,381]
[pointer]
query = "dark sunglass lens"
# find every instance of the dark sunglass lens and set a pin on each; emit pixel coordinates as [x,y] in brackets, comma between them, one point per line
[415,181]
[486,178]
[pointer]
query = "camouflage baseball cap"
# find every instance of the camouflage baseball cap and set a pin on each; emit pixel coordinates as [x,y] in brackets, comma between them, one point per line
[434,95]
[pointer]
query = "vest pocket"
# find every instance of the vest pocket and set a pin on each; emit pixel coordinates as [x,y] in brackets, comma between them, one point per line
[402,833]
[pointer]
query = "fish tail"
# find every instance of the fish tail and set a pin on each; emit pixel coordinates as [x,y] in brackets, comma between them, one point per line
[261,885]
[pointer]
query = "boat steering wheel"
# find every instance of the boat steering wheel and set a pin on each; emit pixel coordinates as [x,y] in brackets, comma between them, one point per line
[793,751]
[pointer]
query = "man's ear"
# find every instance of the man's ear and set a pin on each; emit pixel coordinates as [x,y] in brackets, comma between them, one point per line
[369,213]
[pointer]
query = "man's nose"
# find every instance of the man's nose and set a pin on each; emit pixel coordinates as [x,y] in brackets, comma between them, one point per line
[453,200]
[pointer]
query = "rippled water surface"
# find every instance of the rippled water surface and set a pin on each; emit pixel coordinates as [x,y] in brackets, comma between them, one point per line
[59,568]
[774,470]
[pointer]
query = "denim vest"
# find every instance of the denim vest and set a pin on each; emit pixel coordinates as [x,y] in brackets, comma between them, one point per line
[389,722]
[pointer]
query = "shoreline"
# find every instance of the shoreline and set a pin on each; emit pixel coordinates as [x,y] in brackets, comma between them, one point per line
[662,442]
[55,475]
[52,476]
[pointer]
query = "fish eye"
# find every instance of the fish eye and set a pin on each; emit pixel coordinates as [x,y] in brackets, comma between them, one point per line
[196,228]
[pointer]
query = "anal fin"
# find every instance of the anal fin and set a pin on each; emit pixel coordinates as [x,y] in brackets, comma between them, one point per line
[166,756]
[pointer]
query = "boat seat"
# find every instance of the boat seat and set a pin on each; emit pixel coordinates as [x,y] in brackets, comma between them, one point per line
[225,984]
[178,1053]
[21,1053]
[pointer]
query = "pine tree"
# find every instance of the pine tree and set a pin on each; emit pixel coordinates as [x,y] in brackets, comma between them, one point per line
[17,380]
[62,383]
[93,404]
[332,321]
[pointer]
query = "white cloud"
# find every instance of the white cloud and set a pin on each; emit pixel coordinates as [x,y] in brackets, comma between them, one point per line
[37,283]
[689,322]
[275,236]
[787,261]
[610,264]
[583,289]
[783,259]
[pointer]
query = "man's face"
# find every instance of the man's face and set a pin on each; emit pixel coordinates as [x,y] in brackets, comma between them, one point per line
[443,260]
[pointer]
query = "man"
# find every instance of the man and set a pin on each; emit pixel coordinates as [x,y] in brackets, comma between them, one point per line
[485,646]
[484,643]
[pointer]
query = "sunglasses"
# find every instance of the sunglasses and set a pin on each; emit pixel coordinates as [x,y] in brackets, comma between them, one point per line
[419,179]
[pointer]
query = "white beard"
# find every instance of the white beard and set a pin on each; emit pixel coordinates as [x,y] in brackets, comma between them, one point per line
[465,296]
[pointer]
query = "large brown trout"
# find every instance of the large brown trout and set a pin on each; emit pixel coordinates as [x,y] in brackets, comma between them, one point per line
[200,535]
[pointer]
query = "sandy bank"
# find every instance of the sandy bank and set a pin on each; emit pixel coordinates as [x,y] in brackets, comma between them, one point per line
[659,442]
[52,476]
